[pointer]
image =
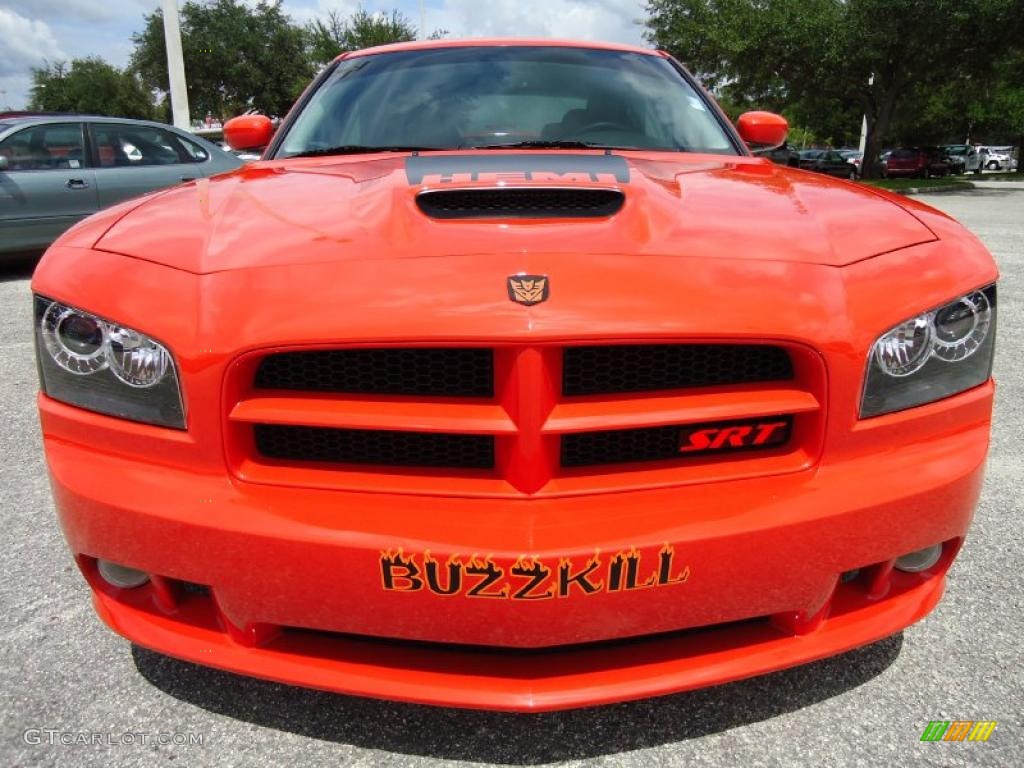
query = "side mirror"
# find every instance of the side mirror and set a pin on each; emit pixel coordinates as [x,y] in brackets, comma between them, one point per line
[248,132]
[762,131]
[4,163]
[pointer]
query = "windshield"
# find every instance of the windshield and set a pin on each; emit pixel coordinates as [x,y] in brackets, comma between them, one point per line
[494,96]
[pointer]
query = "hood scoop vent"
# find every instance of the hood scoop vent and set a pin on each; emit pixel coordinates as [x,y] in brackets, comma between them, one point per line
[521,203]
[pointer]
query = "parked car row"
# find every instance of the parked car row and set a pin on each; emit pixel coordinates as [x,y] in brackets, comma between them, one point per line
[949,159]
[911,161]
[57,169]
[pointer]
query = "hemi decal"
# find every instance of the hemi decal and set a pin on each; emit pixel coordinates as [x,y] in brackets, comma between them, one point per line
[441,170]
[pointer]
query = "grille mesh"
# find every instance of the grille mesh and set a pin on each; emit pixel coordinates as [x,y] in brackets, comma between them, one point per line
[595,370]
[520,203]
[431,372]
[384,448]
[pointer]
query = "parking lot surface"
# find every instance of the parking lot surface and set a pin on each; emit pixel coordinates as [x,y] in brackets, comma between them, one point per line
[62,671]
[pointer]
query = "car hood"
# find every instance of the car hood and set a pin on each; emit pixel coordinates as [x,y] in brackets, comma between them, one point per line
[365,208]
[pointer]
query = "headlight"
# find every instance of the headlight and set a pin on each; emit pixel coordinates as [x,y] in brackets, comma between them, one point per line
[97,364]
[934,355]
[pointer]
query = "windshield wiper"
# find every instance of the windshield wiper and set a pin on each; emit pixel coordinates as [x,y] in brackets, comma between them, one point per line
[360,149]
[542,144]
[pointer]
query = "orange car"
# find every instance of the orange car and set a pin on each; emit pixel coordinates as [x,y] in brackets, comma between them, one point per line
[510,378]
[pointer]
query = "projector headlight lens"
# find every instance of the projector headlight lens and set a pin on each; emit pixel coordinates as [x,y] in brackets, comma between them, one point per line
[934,355]
[962,327]
[93,363]
[75,340]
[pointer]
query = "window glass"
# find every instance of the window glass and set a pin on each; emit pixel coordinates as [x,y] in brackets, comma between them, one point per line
[54,146]
[122,145]
[459,97]
[195,152]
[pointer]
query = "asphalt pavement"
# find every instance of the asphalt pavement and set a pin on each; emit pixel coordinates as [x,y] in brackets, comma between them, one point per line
[65,678]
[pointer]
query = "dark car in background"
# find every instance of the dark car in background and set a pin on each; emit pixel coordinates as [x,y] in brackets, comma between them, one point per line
[854,157]
[784,155]
[56,169]
[833,163]
[957,155]
[917,162]
[808,156]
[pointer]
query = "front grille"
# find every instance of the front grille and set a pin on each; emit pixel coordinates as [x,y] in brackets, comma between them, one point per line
[381,447]
[625,446]
[486,421]
[428,372]
[520,203]
[597,370]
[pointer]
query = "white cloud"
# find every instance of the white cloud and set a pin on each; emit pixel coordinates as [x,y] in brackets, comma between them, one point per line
[613,20]
[610,20]
[86,10]
[303,13]
[26,44]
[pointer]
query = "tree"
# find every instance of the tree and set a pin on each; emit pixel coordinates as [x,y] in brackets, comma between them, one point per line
[92,86]
[237,56]
[857,56]
[996,111]
[337,34]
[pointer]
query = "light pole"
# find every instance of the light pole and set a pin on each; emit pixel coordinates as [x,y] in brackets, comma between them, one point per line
[175,65]
[423,22]
[864,123]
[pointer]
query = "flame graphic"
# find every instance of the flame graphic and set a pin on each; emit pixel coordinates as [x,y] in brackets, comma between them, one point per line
[475,562]
[487,564]
[669,551]
[397,557]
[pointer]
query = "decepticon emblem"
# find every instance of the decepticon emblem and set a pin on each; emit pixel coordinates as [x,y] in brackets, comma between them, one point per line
[528,289]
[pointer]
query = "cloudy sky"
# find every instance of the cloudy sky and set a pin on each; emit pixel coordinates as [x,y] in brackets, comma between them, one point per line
[34,31]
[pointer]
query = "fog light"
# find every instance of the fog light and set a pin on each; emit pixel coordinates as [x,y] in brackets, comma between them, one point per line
[121,575]
[922,560]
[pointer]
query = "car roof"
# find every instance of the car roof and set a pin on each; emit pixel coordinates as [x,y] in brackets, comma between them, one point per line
[41,118]
[19,117]
[28,119]
[500,42]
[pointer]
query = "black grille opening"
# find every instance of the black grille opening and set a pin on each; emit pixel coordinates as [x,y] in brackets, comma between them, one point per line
[431,372]
[601,370]
[625,446]
[520,203]
[380,447]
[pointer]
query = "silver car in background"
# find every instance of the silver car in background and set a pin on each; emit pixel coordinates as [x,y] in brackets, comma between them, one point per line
[57,169]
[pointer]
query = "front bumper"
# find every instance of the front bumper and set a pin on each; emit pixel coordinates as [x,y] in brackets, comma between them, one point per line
[295,592]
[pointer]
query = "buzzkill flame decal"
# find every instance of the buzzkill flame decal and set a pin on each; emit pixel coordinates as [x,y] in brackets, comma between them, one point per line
[529,577]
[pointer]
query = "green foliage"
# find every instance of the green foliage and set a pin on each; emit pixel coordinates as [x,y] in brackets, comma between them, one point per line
[237,56]
[903,185]
[336,34]
[91,86]
[815,57]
